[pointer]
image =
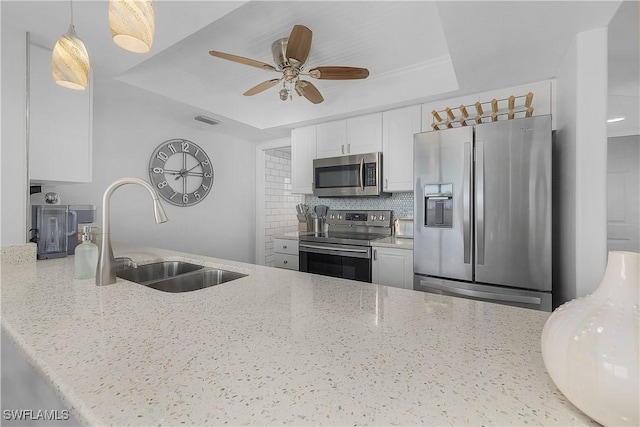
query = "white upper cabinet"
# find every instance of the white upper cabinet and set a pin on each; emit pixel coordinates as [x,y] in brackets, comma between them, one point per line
[332,139]
[60,121]
[352,136]
[398,128]
[303,151]
[364,134]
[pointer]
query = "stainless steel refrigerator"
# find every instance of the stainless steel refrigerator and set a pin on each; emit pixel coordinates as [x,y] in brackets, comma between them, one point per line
[482,212]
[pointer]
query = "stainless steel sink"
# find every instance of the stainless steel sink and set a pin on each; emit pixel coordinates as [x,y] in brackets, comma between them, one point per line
[177,276]
[157,271]
[197,280]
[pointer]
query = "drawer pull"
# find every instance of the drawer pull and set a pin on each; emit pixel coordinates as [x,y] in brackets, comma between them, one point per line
[285,261]
[284,246]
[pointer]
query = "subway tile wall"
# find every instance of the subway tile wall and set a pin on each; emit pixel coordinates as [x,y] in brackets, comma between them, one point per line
[400,203]
[280,204]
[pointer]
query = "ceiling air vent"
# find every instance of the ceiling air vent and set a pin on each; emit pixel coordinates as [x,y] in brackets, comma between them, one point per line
[206,119]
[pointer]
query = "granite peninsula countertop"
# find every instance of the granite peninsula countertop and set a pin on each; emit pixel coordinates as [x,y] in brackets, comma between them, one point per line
[278,347]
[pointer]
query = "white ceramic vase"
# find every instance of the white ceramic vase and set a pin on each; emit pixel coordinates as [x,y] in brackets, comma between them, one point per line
[590,346]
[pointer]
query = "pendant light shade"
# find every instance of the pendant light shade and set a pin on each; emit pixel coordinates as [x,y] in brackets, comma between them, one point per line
[70,61]
[132,24]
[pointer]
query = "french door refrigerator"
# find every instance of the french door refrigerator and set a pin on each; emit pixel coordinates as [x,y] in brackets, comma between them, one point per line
[482,212]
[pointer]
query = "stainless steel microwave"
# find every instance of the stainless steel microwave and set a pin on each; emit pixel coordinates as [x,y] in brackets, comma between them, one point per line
[355,175]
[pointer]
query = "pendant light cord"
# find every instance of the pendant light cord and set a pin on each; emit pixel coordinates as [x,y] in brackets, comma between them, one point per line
[71,5]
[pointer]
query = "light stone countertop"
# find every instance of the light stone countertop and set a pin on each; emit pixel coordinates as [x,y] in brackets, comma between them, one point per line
[278,347]
[292,235]
[393,242]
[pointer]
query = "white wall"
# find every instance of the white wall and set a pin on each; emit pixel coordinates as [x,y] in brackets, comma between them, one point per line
[580,168]
[624,97]
[13,174]
[623,193]
[129,123]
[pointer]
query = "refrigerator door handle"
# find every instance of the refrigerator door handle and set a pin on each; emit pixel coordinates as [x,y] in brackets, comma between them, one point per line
[466,203]
[480,201]
[481,294]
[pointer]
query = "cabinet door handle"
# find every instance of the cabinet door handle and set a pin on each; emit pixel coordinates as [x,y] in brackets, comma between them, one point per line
[342,148]
[348,148]
[375,254]
[386,183]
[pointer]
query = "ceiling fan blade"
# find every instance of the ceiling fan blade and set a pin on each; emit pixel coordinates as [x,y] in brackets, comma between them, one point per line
[242,60]
[309,91]
[339,73]
[299,43]
[262,87]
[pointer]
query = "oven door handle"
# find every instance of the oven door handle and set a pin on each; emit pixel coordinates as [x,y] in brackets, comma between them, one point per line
[304,245]
[359,253]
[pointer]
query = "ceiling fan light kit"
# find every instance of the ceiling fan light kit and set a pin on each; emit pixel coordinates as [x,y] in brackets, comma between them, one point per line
[132,24]
[290,55]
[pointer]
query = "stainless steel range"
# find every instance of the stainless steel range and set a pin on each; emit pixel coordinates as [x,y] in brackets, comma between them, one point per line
[344,250]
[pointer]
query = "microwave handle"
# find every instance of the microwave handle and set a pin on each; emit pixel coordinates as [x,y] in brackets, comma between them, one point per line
[362,174]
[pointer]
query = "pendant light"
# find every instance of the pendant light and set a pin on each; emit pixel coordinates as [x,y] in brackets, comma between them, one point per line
[70,60]
[132,24]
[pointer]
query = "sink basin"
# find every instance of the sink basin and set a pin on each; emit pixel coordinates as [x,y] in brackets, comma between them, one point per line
[196,280]
[157,271]
[177,276]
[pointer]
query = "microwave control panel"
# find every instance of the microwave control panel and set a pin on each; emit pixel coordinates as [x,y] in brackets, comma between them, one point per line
[370,175]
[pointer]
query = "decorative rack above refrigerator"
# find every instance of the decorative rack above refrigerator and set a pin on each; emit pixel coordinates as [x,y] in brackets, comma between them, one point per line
[485,111]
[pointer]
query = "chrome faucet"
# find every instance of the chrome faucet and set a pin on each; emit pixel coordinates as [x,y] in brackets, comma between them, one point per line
[106,270]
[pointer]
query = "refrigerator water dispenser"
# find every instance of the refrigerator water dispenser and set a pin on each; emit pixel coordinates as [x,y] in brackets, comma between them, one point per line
[438,202]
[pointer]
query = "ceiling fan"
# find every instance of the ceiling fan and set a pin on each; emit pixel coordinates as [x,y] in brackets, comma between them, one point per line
[290,56]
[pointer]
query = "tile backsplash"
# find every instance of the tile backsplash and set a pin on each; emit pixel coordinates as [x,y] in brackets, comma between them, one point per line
[400,203]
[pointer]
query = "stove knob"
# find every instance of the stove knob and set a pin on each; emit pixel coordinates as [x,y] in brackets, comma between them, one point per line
[340,216]
[381,217]
[333,216]
[373,217]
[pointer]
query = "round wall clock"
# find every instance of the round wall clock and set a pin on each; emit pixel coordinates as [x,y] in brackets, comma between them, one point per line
[181,171]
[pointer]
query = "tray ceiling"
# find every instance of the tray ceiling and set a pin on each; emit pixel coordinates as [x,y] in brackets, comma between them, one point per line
[416,51]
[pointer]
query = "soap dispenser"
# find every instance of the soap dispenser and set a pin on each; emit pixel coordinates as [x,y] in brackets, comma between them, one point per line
[86,255]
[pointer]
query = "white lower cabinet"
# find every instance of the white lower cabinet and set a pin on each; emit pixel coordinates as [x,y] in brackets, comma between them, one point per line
[392,267]
[285,253]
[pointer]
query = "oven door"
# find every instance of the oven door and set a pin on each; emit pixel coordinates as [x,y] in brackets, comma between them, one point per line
[328,259]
